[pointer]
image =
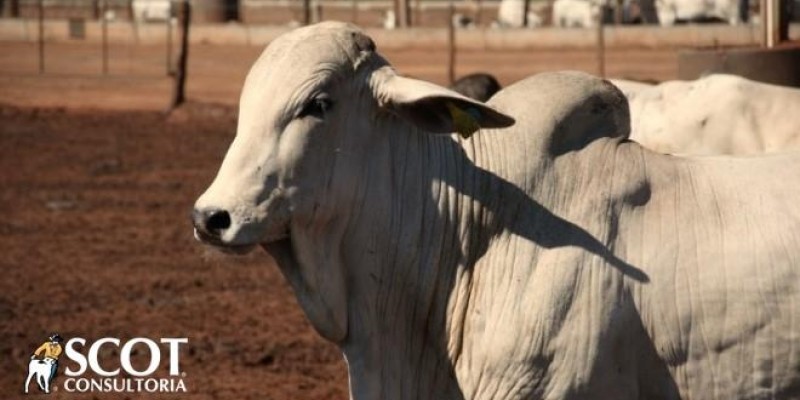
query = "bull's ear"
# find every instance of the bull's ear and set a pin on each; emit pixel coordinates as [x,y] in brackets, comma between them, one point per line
[433,108]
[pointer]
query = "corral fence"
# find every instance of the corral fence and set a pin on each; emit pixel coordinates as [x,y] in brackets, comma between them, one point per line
[100,38]
[115,35]
[123,27]
[127,31]
[120,37]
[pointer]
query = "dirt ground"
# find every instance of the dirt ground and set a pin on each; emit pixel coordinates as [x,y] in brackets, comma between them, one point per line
[95,241]
[96,185]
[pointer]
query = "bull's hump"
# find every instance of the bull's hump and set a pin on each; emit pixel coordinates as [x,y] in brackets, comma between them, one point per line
[567,109]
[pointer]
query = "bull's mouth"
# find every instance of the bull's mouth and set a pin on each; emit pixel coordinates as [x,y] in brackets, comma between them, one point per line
[237,249]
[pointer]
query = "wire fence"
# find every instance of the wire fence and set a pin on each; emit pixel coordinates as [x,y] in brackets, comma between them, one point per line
[367,13]
[140,38]
[92,37]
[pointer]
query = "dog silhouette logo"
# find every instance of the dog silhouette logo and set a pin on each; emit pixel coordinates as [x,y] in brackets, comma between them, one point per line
[44,363]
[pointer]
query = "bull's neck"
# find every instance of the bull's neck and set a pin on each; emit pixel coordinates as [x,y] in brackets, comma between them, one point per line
[433,208]
[417,245]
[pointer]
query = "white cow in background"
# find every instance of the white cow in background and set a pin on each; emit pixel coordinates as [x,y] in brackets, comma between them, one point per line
[510,13]
[151,10]
[717,114]
[39,371]
[576,13]
[389,20]
[585,13]
[534,254]
[671,10]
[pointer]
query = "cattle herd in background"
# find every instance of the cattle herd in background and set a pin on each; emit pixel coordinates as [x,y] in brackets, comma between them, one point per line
[587,13]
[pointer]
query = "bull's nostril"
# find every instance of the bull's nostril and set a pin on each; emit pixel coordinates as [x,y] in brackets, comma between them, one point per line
[218,220]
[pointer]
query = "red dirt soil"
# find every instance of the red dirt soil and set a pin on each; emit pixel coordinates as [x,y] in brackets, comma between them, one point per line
[95,241]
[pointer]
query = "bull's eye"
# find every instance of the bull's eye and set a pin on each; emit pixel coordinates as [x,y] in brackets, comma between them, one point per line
[316,107]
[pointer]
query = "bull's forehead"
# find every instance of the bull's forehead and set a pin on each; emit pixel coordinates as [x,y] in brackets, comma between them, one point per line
[297,63]
[327,43]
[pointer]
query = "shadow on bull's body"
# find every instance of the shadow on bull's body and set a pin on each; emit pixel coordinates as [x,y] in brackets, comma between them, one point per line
[533,221]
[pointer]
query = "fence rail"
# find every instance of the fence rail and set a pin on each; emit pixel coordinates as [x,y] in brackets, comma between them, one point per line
[118,37]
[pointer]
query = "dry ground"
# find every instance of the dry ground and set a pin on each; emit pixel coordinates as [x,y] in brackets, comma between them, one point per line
[95,241]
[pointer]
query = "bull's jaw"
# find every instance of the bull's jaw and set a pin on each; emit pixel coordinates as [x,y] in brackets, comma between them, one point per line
[314,268]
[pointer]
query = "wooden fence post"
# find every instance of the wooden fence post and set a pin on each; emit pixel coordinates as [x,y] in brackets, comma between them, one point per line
[451,44]
[41,36]
[104,25]
[180,75]
[601,45]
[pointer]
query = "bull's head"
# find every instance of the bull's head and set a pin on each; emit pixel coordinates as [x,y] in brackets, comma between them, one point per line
[311,113]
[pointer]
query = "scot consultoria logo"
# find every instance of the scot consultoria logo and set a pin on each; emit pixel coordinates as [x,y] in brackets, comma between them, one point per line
[44,363]
[83,373]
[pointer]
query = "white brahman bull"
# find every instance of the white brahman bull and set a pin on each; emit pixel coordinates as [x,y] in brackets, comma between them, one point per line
[717,114]
[671,11]
[39,371]
[551,259]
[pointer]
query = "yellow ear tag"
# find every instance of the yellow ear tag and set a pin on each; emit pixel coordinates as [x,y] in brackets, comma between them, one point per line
[463,122]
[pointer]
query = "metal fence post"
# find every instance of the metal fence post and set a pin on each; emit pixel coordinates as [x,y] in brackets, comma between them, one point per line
[306,12]
[170,72]
[104,24]
[317,11]
[601,45]
[354,11]
[451,44]
[776,23]
[525,9]
[41,36]
[180,75]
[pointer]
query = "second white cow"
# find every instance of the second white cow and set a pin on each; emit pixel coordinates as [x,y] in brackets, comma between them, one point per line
[718,114]
[576,13]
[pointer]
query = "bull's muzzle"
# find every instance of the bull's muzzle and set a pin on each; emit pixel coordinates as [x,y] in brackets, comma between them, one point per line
[210,224]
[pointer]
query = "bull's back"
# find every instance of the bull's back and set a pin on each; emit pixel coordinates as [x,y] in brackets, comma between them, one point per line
[718,240]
